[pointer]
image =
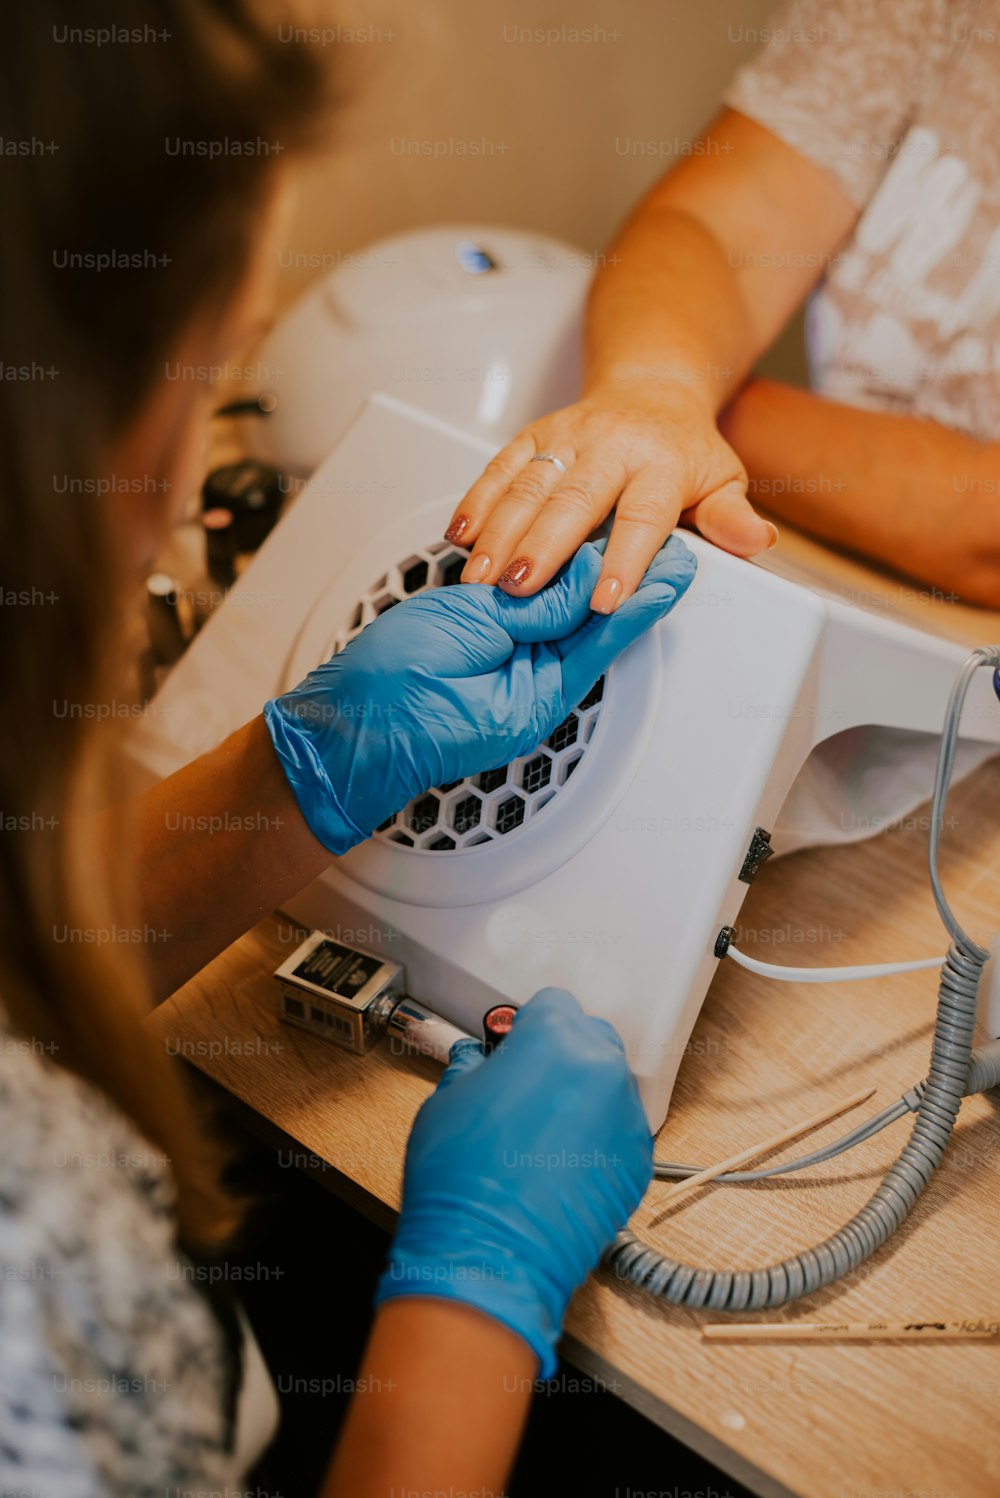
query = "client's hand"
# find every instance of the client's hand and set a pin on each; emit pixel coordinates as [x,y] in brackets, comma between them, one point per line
[653,457]
[449,683]
[520,1170]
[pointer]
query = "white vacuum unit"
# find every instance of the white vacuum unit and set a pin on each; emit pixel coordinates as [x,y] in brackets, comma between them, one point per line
[606,861]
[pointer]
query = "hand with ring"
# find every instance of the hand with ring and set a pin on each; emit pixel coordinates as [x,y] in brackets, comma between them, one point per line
[657,459]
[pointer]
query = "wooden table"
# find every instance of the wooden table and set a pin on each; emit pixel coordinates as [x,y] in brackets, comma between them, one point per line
[828,1421]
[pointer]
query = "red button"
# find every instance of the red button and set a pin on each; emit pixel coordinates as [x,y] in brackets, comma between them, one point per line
[497,1023]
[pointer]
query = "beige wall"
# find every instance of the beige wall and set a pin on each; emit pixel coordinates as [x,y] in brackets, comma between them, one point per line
[569,133]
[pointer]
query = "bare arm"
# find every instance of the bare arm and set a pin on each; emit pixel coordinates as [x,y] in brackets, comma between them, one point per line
[442,1398]
[712,264]
[700,281]
[912,494]
[215,847]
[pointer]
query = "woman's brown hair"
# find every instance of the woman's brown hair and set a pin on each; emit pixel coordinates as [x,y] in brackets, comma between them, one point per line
[107,132]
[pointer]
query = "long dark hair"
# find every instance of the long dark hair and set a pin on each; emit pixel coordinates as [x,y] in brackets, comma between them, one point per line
[106,132]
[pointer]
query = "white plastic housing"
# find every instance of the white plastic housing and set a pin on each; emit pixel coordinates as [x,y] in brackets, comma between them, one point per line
[618,888]
[410,315]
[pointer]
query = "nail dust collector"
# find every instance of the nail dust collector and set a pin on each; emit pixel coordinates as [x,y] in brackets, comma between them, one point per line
[607,860]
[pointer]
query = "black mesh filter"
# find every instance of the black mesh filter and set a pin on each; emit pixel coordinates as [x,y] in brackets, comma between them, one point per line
[473,812]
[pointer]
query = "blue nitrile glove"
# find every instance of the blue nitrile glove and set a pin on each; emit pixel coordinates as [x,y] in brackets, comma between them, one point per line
[520,1170]
[449,683]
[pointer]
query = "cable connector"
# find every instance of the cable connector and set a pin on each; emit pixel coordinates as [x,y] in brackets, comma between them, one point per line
[723,940]
[758,853]
[913,1096]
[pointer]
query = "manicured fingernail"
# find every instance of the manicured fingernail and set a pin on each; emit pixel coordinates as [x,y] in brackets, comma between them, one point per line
[476,568]
[606,596]
[516,571]
[457,529]
[774,536]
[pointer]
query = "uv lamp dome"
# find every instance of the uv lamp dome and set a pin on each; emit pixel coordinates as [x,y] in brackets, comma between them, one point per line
[607,860]
[477,324]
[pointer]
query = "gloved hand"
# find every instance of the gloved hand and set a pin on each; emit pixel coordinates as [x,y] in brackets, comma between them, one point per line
[449,683]
[520,1170]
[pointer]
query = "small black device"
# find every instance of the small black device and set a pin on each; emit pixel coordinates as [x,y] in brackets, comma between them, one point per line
[240,505]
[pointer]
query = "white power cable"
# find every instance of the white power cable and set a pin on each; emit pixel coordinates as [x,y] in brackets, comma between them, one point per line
[829,974]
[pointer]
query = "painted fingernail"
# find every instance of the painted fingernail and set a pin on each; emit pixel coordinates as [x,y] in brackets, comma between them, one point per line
[476,568]
[606,596]
[516,571]
[775,534]
[457,529]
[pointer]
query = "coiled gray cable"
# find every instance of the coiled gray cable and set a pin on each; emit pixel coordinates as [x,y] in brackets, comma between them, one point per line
[951,1051]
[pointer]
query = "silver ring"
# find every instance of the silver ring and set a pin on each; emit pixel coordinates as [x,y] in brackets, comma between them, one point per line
[550,458]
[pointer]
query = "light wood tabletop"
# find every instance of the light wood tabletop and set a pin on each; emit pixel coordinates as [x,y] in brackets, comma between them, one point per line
[854,1420]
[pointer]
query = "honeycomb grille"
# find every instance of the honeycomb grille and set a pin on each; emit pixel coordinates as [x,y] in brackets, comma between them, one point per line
[482,808]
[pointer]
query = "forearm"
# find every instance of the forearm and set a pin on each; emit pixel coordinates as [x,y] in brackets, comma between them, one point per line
[215,847]
[442,1398]
[666,311]
[907,492]
[711,266]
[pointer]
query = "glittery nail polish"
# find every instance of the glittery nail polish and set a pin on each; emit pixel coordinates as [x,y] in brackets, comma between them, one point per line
[457,529]
[516,571]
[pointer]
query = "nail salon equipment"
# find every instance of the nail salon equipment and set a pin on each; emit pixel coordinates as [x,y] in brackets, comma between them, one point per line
[453,684]
[479,326]
[240,505]
[353,997]
[609,860]
[955,1072]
